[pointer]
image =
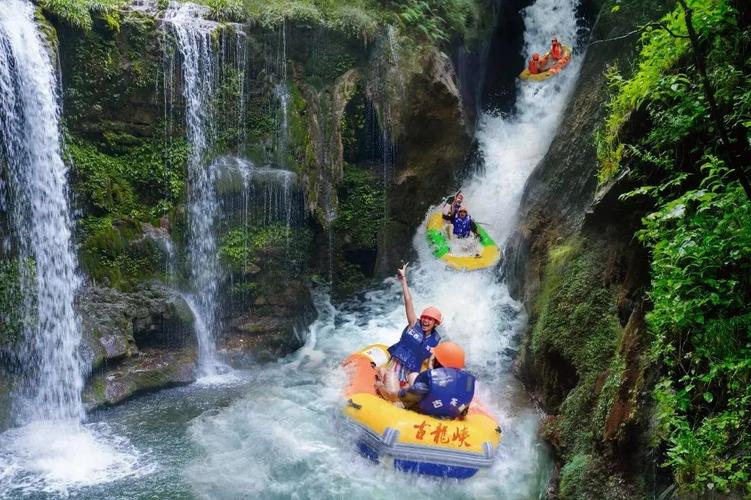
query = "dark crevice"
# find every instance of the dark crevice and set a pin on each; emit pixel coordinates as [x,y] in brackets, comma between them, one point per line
[505,60]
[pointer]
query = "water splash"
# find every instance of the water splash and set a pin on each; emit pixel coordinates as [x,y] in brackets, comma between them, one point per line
[57,459]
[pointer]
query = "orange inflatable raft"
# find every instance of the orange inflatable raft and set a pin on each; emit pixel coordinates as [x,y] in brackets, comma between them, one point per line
[413,442]
[552,70]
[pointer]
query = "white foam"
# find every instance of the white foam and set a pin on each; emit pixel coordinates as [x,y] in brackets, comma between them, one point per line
[60,457]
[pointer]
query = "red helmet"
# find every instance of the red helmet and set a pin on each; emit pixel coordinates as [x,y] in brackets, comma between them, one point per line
[449,354]
[535,56]
[433,313]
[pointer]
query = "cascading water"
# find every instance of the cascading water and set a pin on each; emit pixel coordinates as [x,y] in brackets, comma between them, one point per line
[198,63]
[281,90]
[40,219]
[268,195]
[52,451]
[306,451]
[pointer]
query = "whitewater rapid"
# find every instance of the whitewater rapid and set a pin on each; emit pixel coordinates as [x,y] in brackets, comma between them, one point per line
[285,437]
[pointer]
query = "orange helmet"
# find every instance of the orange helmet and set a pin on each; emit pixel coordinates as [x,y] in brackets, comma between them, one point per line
[432,313]
[535,56]
[449,355]
[463,208]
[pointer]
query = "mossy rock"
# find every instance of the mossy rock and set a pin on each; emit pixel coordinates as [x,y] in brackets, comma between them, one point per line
[575,334]
[11,303]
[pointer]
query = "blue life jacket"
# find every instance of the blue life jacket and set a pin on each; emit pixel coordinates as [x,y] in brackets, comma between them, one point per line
[414,347]
[462,227]
[451,391]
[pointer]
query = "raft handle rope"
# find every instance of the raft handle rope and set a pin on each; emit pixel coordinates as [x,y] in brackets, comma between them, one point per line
[354,405]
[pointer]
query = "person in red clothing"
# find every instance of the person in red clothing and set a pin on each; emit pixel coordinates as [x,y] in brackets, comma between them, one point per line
[556,49]
[534,66]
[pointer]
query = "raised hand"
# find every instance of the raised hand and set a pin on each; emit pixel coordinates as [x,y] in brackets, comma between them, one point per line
[402,272]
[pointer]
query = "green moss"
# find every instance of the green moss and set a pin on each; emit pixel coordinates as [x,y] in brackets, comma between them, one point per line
[361,207]
[240,247]
[115,253]
[577,315]
[331,60]
[300,144]
[110,76]
[262,259]
[13,275]
[573,474]
[96,389]
[577,321]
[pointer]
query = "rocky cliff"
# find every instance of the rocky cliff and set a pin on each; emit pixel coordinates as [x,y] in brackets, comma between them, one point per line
[576,265]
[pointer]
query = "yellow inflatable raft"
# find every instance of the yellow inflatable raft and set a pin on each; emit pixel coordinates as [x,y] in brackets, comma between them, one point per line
[415,442]
[552,70]
[436,234]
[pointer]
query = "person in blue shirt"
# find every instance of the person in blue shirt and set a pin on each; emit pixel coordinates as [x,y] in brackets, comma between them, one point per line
[444,391]
[463,224]
[415,345]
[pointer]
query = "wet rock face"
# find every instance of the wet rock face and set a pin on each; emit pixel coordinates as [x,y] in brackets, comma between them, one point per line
[150,370]
[116,324]
[135,342]
[435,142]
[273,326]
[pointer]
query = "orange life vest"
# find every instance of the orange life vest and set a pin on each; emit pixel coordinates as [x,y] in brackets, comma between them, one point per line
[533,67]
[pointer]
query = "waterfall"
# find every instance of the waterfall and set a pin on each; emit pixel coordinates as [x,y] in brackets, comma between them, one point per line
[198,66]
[52,451]
[40,220]
[269,195]
[241,64]
[282,93]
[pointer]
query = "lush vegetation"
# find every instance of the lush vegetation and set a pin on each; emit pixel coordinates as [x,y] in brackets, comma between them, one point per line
[119,193]
[361,208]
[686,142]
[434,20]
[78,12]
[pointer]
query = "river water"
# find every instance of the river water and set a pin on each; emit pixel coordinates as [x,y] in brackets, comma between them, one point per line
[276,431]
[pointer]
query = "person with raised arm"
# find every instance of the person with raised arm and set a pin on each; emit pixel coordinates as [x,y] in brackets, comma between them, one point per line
[415,345]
